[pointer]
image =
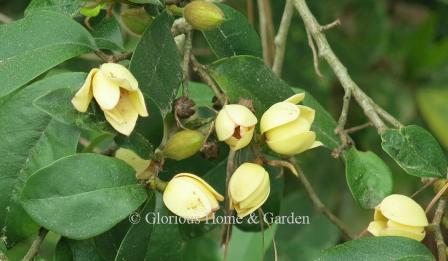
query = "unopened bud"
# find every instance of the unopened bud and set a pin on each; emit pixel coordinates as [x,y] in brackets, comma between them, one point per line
[203,16]
[183,144]
[184,107]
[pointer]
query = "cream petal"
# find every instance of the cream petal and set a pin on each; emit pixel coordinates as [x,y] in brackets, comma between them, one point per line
[106,93]
[123,117]
[416,233]
[138,101]
[246,137]
[120,75]
[376,227]
[240,115]
[224,125]
[291,145]
[403,210]
[245,180]
[132,159]
[278,114]
[296,98]
[259,196]
[307,113]
[292,128]
[83,97]
[203,183]
[185,199]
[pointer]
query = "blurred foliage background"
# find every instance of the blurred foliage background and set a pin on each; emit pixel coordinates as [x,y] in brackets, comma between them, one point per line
[398,53]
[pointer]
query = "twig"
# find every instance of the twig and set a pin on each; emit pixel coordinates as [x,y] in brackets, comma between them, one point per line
[358,128]
[113,58]
[203,73]
[318,203]
[186,62]
[325,51]
[280,39]
[436,197]
[266,30]
[35,246]
[441,246]
[227,229]
[5,19]
[313,50]
[425,186]
[331,25]
[250,11]
[389,118]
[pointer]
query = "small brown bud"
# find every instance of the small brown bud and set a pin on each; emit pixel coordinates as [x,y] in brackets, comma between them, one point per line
[210,150]
[217,104]
[184,107]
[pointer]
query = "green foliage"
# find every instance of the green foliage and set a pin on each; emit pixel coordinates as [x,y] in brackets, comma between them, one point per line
[69,204]
[37,43]
[155,2]
[416,151]
[368,177]
[67,7]
[107,33]
[234,37]
[378,249]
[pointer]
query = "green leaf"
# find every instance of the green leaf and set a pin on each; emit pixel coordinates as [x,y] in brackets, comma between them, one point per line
[32,140]
[155,2]
[259,84]
[57,104]
[156,63]
[67,7]
[368,177]
[137,143]
[415,150]
[107,33]
[136,19]
[378,249]
[73,196]
[37,43]
[434,108]
[234,37]
[160,242]
[72,250]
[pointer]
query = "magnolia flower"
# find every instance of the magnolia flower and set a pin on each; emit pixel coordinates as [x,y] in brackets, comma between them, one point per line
[116,91]
[135,161]
[399,215]
[190,197]
[235,125]
[286,126]
[249,188]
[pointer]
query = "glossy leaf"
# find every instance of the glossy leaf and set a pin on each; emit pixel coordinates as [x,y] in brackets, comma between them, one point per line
[368,177]
[378,249]
[37,43]
[107,34]
[415,150]
[66,198]
[434,108]
[136,19]
[234,37]
[155,63]
[67,7]
[72,250]
[31,141]
[264,88]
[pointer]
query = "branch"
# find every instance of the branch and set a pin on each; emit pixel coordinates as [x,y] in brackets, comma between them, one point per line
[266,30]
[186,62]
[318,203]
[203,73]
[280,39]
[5,19]
[435,224]
[34,249]
[325,51]
[113,58]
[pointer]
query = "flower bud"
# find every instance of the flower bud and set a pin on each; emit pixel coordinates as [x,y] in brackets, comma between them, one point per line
[203,16]
[183,144]
[132,159]
[184,107]
[249,188]
[116,91]
[190,197]
[399,215]
[235,125]
[286,126]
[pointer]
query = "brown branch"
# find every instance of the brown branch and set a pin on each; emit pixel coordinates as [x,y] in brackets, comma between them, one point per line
[113,58]
[250,11]
[318,203]
[266,30]
[331,25]
[358,128]
[280,39]
[186,62]
[35,246]
[315,57]
[435,226]
[203,73]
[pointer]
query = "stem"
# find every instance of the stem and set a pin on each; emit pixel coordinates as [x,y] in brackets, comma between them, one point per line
[358,128]
[227,229]
[113,58]
[325,51]
[5,19]
[250,11]
[186,62]
[441,246]
[318,203]
[179,11]
[203,73]
[280,39]
[266,30]
[35,246]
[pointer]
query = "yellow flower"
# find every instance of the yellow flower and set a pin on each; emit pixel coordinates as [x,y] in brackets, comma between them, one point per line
[235,125]
[132,159]
[249,188]
[116,91]
[190,197]
[399,215]
[286,126]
